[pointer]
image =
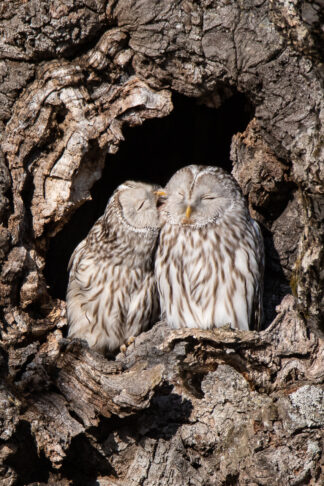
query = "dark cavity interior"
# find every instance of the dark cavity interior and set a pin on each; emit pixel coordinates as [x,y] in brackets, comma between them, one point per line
[152,152]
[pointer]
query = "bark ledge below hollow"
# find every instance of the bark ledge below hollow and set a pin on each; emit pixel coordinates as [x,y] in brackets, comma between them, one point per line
[187,407]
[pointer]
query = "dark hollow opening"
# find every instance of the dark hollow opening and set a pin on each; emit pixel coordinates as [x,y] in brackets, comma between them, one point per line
[191,134]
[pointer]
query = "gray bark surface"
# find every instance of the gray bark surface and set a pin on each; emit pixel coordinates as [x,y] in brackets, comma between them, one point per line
[187,407]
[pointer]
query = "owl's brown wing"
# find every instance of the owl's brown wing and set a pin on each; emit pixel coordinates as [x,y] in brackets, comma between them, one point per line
[89,243]
[257,310]
[76,255]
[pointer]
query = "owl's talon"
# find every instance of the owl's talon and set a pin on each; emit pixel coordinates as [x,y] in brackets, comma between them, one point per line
[130,340]
[123,348]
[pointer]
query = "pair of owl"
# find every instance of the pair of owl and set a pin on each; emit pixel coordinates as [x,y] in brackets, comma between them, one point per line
[198,257]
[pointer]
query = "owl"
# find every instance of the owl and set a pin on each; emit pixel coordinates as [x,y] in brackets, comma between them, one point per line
[210,258]
[112,295]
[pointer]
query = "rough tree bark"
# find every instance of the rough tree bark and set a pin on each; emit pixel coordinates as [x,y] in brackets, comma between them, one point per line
[187,407]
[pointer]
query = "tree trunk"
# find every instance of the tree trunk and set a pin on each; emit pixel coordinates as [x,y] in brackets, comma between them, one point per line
[185,407]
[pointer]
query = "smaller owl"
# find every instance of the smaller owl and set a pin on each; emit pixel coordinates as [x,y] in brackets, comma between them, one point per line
[209,261]
[112,293]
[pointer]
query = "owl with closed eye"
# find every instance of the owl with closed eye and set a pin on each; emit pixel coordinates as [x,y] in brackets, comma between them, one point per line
[210,258]
[112,295]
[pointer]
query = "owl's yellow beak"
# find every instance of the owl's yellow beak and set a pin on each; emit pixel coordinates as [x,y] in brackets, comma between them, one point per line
[160,193]
[188,212]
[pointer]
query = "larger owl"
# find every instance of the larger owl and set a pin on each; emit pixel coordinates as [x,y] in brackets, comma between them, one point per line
[112,293]
[210,258]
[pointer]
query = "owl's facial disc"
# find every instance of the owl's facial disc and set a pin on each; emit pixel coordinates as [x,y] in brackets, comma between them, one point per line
[195,199]
[139,205]
[201,207]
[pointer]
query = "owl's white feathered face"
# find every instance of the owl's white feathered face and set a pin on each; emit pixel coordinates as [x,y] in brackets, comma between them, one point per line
[197,195]
[137,204]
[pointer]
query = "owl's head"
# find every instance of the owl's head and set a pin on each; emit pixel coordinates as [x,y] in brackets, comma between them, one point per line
[197,195]
[136,205]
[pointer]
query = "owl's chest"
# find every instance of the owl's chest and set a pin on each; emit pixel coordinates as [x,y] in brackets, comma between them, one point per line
[192,244]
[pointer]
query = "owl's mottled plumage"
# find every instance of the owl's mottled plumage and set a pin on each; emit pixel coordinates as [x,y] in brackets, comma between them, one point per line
[210,258]
[112,294]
